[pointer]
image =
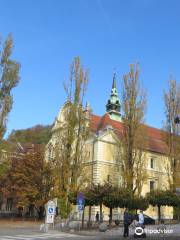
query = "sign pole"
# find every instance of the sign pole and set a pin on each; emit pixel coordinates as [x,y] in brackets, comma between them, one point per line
[80,206]
[50,214]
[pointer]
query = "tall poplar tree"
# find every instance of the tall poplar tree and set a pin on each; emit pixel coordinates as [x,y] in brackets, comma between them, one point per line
[9,78]
[172,129]
[133,140]
[69,150]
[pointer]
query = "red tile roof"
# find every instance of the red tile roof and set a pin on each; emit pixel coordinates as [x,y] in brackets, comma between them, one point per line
[155,142]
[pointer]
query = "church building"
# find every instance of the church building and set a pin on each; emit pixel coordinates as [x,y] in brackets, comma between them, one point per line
[103,164]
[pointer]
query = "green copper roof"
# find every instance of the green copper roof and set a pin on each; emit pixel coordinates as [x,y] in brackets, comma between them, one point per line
[113,104]
[114,81]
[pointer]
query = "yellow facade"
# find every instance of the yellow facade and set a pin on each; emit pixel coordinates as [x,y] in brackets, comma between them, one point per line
[103,164]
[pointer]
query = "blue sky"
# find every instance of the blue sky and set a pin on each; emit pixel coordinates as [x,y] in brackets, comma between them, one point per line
[106,34]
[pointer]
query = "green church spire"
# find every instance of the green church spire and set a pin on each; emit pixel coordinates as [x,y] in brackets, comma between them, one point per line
[113,104]
[114,81]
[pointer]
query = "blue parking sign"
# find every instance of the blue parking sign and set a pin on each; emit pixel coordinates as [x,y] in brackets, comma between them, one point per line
[51,210]
[80,202]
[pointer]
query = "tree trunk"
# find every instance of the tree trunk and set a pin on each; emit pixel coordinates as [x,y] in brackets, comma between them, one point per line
[110,215]
[159,213]
[83,218]
[101,216]
[89,214]
[41,211]
[130,180]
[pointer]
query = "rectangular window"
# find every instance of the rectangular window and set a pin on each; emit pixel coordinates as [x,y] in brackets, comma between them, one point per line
[152,185]
[108,178]
[152,163]
[9,204]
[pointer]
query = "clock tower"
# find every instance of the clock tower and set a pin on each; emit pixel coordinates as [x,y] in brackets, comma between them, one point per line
[113,105]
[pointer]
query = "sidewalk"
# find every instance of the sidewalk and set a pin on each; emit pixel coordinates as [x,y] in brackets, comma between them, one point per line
[151,231]
[19,223]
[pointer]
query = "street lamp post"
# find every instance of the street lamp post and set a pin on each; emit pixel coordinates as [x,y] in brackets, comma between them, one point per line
[177,122]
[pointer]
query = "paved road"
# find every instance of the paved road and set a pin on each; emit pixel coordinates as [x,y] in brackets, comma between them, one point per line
[65,236]
[41,236]
[30,231]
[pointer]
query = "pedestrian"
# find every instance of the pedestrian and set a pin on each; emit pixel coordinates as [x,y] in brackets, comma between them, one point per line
[141,218]
[126,223]
[97,217]
[141,225]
